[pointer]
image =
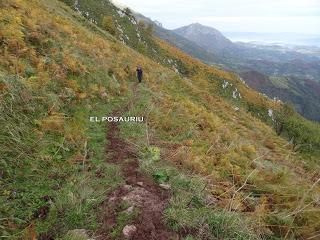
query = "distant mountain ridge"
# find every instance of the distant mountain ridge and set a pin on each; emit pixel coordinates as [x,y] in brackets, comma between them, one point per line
[179,41]
[207,37]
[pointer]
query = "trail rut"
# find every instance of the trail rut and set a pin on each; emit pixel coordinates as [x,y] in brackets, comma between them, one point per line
[140,191]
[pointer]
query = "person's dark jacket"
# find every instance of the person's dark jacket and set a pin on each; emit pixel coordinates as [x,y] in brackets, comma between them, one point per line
[139,74]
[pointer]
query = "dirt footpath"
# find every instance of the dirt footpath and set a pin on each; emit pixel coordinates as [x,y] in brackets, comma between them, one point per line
[140,192]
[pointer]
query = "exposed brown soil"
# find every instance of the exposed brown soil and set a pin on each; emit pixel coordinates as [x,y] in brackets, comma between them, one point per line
[140,191]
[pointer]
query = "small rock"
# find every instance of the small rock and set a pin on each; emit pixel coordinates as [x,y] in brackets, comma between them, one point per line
[129,210]
[140,184]
[165,186]
[79,234]
[137,196]
[112,199]
[129,230]
[210,200]
[128,187]
[104,95]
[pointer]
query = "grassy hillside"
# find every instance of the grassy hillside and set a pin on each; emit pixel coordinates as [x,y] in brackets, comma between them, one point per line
[138,35]
[231,175]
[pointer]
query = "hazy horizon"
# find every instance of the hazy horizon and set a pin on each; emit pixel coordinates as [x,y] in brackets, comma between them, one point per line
[251,16]
[275,38]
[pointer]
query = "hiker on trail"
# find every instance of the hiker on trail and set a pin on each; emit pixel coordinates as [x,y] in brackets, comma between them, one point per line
[139,73]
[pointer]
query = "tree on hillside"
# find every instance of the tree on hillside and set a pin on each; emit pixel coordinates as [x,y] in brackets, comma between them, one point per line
[128,11]
[149,29]
[141,48]
[304,135]
[109,25]
[285,112]
[141,24]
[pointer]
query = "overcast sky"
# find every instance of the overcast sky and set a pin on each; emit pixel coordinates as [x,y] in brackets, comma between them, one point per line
[298,16]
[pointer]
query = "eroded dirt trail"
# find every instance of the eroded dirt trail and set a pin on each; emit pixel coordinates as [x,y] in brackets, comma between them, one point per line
[140,192]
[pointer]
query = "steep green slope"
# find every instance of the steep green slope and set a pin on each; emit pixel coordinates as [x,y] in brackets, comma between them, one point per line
[122,24]
[302,93]
[226,167]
